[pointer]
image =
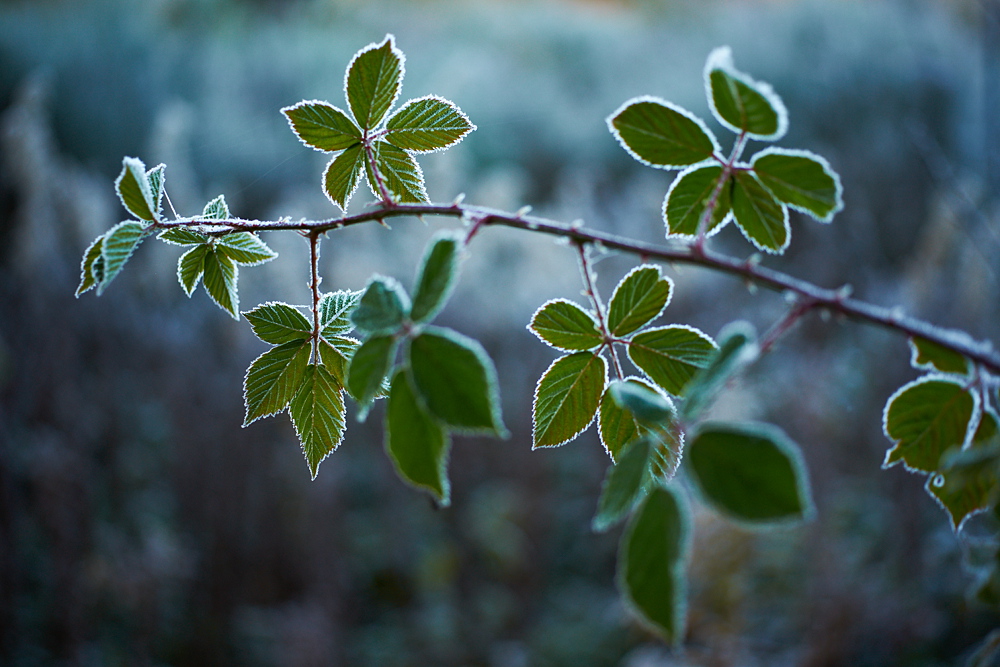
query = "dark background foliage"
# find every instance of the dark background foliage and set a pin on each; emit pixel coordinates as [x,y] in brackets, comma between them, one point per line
[140,525]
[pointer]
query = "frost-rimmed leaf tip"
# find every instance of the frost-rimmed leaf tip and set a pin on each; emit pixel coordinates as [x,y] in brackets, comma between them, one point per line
[373,81]
[739,102]
[661,134]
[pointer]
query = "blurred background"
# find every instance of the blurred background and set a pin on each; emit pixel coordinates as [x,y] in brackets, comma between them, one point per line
[140,525]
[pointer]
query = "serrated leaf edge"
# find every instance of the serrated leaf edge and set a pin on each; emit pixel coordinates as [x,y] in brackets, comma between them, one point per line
[742,166]
[823,162]
[556,347]
[648,384]
[636,269]
[658,100]
[304,103]
[472,127]
[391,39]
[721,58]
[534,402]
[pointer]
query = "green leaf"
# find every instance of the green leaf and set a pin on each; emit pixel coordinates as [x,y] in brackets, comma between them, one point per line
[191,266]
[661,134]
[740,103]
[930,356]
[416,443]
[134,190]
[382,308]
[427,124]
[567,397]
[651,563]
[182,236]
[645,403]
[617,426]
[274,378]
[336,354]
[625,484]
[88,279]
[737,348]
[217,209]
[800,179]
[969,481]
[926,418]
[244,248]
[565,326]
[322,126]
[374,79]
[221,278]
[119,244]
[318,414]
[157,178]
[343,174]
[436,277]
[671,355]
[763,221]
[688,197]
[368,368]
[335,310]
[278,323]
[638,299]
[751,472]
[456,381]
[399,173]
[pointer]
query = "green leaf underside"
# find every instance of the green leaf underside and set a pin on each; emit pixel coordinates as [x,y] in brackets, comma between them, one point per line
[318,414]
[217,209]
[616,425]
[624,485]
[88,279]
[800,180]
[322,126]
[638,299]
[244,248]
[928,355]
[427,124]
[737,347]
[400,174]
[671,355]
[156,178]
[759,216]
[374,78]
[688,197]
[456,381]
[566,326]
[278,323]
[651,563]
[416,443]
[436,278]
[134,190]
[382,307]
[369,366]
[182,236]
[191,266]
[335,310]
[752,473]
[969,483]
[221,275]
[273,379]
[661,134]
[118,246]
[742,107]
[343,174]
[567,397]
[925,419]
[336,353]
[646,404]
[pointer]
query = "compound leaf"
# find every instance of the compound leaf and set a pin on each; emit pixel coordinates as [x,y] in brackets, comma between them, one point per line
[750,472]
[244,248]
[191,267]
[638,299]
[374,79]
[278,323]
[762,219]
[221,277]
[343,174]
[322,126]
[968,482]
[427,124]
[456,381]
[671,355]
[119,244]
[182,236]
[335,310]
[416,443]
[368,367]
[565,326]
[625,484]
[436,277]
[800,179]
[399,173]
[651,561]
[274,378]
[318,414]
[661,134]
[739,102]
[134,190]
[88,277]
[930,356]
[688,198]
[926,418]
[382,307]
[567,397]
[737,348]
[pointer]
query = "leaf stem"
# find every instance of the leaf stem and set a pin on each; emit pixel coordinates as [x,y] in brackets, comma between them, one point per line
[314,286]
[367,142]
[595,299]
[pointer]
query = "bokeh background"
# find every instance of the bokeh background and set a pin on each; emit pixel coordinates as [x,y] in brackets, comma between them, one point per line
[140,525]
